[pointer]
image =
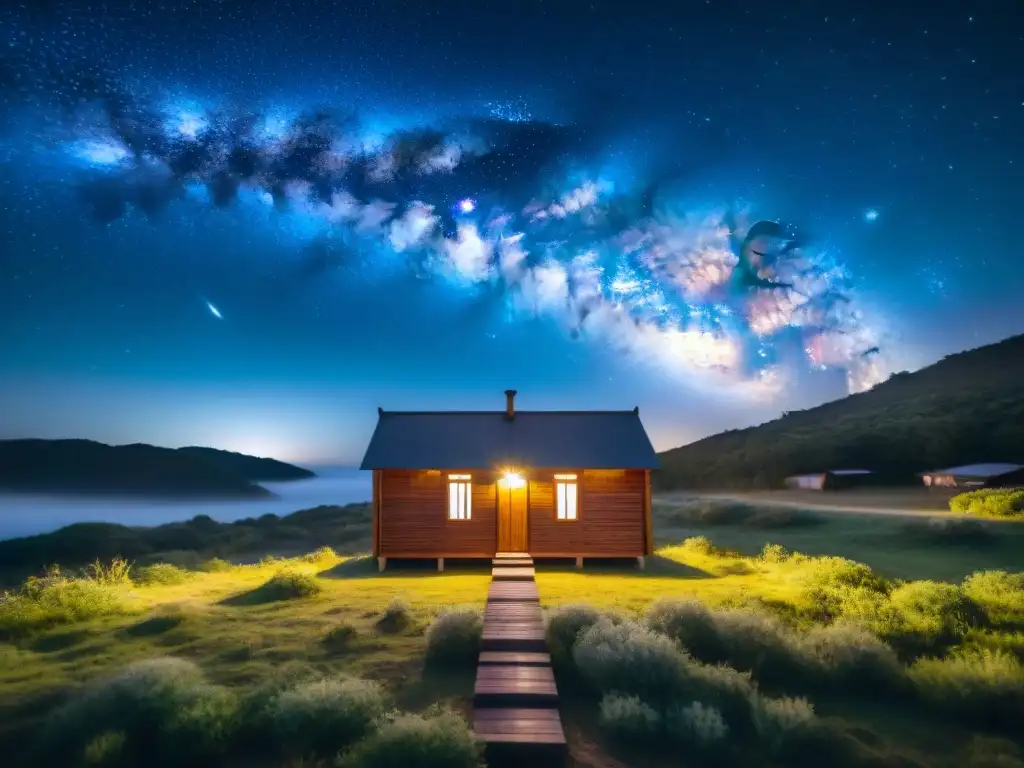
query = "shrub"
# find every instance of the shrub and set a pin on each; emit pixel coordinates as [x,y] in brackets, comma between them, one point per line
[931,615]
[689,622]
[729,691]
[698,545]
[697,724]
[56,599]
[164,708]
[830,583]
[774,554]
[454,637]
[160,573]
[779,719]
[321,555]
[999,594]
[759,643]
[215,565]
[994,502]
[323,716]
[628,717]
[436,739]
[255,709]
[397,616]
[117,574]
[565,623]
[984,687]
[628,658]
[340,638]
[290,585]
[852,659]
[106,749]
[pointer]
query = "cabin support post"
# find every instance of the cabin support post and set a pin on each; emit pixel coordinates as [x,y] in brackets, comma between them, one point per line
[382,563]
[640,562]
[579,562]
[440,565]
[377,487]
[648,524]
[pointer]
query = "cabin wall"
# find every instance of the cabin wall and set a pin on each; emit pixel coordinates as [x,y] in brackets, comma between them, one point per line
[414,516]
[610,521]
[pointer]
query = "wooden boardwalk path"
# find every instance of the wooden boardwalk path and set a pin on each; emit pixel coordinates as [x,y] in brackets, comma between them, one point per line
[515,700]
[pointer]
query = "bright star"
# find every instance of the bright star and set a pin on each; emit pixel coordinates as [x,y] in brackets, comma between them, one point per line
[870,214]
[467,205]
[214,311]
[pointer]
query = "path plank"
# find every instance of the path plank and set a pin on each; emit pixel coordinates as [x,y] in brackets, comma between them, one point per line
[528,659]
[519,724]
[518,591]
[513,562]
[514,686]
[514,611]
[520,573]
[526,638]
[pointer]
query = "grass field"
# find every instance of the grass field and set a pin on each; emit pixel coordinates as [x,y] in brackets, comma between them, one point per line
[240,629]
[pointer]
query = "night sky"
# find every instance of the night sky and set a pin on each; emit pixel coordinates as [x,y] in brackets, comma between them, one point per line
[247,224]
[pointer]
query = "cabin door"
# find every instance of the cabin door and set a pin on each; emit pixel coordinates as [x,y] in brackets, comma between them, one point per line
[511,519]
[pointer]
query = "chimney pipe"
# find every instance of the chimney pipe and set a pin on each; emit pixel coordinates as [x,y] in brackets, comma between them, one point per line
[510,403]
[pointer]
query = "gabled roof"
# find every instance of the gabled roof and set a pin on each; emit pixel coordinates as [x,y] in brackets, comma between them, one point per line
[993,469]
[491,440]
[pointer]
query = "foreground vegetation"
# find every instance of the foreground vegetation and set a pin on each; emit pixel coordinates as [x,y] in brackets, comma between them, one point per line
[990,502]
[732,653]
[966,408]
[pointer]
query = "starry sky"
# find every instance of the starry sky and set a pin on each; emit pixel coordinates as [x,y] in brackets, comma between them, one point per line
[247,224]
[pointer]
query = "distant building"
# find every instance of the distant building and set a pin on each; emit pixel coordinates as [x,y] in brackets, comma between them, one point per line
[829,480]
[995,475]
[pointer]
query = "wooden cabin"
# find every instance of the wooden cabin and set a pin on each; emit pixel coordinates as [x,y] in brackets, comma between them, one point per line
[468,484]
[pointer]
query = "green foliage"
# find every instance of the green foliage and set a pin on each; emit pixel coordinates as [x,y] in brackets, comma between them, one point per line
[697,724]
[986,688]
[115,574]
[255,709]
[966,406]
[105,749]
[999,593]
[289,584]
[437,739]
[340,638]
[160,573]
[165,711]
[453,638]
[628,717]
[698,545]
[320,555]
[56,599]
[565,623]
[990,502]
[215,565]
[397,617]
[322,717]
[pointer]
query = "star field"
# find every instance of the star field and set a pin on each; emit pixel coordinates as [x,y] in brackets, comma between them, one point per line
[419,206]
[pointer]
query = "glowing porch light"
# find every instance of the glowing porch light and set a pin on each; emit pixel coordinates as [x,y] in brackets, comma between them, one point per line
[513,479]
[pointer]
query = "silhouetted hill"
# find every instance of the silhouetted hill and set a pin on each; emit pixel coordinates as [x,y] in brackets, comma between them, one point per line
[88,467]
[966,408]
[252,468]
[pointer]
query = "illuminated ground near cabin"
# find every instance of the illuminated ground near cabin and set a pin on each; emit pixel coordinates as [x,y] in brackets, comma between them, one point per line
[238,637]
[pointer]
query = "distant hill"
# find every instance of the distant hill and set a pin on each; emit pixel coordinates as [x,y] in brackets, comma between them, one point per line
[966,408]
[252,468]
[88,467]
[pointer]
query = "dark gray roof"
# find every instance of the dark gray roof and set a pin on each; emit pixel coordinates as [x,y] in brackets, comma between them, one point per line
[994,469]
[489,440]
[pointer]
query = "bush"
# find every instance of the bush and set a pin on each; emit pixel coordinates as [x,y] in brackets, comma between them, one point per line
[290,585]
[628,717]
[160,573]
[117,574]
[854,660]
[759,643]
[994,502]
[774,554]
[984,687]
[255,710]
[56,599]
[323,716]
[697,724]
[628,658]
[931,615]
[565,623]
[436,739]
[698,545]
[340,638]
[165,710]
[397,617]
[999,594]
[454,637]
[215,565]
[831,583]
[777,720]
[321,555]
[106,749]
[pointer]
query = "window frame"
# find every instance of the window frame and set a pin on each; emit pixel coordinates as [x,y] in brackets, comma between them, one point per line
[566,479]
[455,481]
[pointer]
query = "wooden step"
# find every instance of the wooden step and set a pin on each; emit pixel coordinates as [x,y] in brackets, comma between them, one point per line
[520,735]
[515,637]
[516,591]
[529,659]
[525,611]
[520,573]
[513,555]
[514,686]
[513,562]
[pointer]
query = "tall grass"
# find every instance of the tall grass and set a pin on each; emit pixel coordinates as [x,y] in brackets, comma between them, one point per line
[991,502]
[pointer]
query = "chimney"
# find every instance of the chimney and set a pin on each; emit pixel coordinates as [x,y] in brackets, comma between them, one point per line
[510,403]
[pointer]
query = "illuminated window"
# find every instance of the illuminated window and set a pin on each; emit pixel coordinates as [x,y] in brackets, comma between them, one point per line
[566,495]
[460,497]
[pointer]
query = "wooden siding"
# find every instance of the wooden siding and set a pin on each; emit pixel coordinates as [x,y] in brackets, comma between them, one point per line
[610,516]
[414,516]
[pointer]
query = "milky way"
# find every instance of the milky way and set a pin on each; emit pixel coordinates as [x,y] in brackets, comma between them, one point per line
[499,201]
